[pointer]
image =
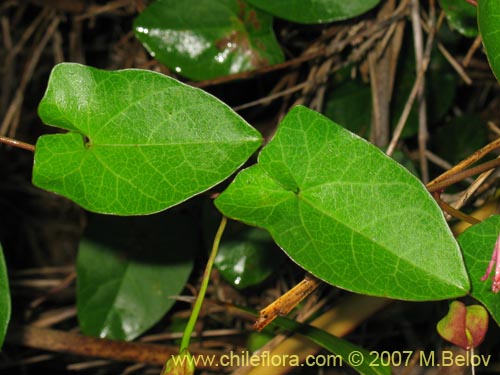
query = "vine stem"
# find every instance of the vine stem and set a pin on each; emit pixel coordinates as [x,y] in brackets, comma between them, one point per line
[16,143]
[203,289]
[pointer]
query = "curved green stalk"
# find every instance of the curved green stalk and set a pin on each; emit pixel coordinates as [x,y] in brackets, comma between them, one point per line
[203,289]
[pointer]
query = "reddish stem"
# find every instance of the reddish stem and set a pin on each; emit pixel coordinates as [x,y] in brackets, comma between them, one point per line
[18,144]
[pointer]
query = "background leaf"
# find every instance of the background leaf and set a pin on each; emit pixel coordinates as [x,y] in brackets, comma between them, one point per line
[248,258]
[477,244]
[203,39]
[350,103]
[138,142]
[334,203]
[459,137]
[128,269]
[488,14]
[5,305]
[370,364]
[315,11]
[461,16]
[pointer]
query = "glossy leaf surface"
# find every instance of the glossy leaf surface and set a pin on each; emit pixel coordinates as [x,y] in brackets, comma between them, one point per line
[128,270]
[477,243]
[248,258]
[461,16]
[138,142]
[202,39]
[347,213]
[5,304]
[488,16]
[315,11]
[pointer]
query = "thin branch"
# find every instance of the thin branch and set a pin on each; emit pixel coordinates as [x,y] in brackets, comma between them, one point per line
[16,143]
[463,174]
[454,212]
[66,342]
[477,155]
[15,106]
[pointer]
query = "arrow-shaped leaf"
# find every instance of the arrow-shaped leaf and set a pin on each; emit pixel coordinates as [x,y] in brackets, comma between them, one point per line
[347,213]
[138,142]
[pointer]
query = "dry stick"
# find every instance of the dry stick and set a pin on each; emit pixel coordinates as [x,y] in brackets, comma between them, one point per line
[287,302]
[65,342]
[440,162]
[475,45]
[95,10]
[12,53]
[464,197]
[458,173]
[423,135]
[382,68]
[15,106]
[16,143]
[477,155]
[411,98]
[493,128]
[463,174]
[454,212]
[53,317]
[87,365]
[268,98]
[322,51]
[302,86]
[7,70]
[453,62]
[67,6]
[407,108]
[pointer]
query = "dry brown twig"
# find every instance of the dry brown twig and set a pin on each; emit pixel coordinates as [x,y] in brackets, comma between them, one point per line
[11,119]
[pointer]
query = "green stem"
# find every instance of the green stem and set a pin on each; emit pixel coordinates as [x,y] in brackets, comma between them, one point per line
[203,289]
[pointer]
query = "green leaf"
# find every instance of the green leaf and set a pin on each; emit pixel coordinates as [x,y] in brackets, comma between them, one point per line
[363,361]
[315,11]
[461,16]
[128,270]
[477,243]
[347,213]
[488,15]
[5,305]
[248,258]
[202,39]
[138,142]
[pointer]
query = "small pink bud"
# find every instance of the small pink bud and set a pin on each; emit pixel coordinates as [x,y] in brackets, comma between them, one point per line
[495,261]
